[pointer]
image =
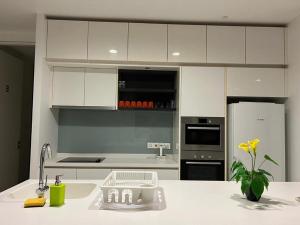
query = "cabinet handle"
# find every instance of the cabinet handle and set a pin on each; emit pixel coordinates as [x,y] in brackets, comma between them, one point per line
[203,163]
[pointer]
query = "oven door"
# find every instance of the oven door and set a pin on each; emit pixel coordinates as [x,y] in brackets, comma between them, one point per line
[202,170]
[202,136]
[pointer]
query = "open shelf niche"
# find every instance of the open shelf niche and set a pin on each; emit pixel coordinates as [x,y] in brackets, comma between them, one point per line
[147,90]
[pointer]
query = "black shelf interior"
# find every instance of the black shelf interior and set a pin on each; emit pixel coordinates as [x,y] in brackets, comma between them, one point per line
[156,86]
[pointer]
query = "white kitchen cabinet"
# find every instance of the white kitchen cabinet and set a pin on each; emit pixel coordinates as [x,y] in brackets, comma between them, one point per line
[187,43]
[67,39]
[147,42]
[92,174]
[101,88]
[68,86]
[202,91]
[265,45]
[107,41]
[163,174]
[226,44]
[67,173]
[255,82]
[168,174]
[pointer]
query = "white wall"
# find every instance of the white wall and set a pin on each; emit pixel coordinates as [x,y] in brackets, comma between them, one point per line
[17,37]
[44,120]
[293,103]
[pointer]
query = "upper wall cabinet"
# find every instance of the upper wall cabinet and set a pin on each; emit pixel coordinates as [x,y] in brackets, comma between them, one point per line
[226,44]
[67,39]
[85,87]
[187,43]
[265,45]
[107,41]
[147,42]
[68,86]
[255,82]
[202,91]
[101,88]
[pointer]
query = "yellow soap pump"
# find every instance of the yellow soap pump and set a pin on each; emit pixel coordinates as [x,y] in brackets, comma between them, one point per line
[57,192]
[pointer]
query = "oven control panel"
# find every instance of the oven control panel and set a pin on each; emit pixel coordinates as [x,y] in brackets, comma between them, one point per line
[202,155]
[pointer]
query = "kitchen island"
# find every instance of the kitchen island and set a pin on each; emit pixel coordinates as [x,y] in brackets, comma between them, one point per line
[187,202]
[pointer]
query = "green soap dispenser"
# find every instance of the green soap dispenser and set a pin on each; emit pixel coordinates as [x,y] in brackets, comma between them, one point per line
[57,192]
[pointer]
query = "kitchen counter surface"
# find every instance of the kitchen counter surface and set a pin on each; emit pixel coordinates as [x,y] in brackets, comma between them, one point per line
[187,202]
[116,161]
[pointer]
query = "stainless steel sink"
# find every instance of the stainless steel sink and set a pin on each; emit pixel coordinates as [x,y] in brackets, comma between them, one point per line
[82,160]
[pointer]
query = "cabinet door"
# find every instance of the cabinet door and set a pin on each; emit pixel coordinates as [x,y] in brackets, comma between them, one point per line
[147,42]
[202,91]
[168,174]
[68,86]
[187,43]
[255,82]
[107,41]
[163,174]
[67,39]
[265,45]
[226,44]
[67,174]
[101,88]
[92,174]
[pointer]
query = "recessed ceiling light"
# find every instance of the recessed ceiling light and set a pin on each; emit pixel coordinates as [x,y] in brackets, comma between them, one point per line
[258,80]
[175,53]
[113,51]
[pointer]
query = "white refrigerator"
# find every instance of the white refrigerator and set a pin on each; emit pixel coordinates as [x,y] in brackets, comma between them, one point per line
[266,121]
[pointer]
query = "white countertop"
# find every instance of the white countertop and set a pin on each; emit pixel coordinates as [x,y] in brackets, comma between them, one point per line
[187,202]
[116,161]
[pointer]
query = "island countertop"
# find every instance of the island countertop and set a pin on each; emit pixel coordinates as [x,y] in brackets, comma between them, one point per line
[187,202]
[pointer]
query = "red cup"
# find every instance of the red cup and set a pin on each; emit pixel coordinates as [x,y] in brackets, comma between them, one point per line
[121,104]
[139,104]
[127,104]
[133,104]
[145,104]
[150,105]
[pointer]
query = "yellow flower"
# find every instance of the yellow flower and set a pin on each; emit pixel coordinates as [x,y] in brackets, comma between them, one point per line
[253,144]
[244,146]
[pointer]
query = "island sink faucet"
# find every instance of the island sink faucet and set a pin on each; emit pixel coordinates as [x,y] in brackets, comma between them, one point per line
[43,187]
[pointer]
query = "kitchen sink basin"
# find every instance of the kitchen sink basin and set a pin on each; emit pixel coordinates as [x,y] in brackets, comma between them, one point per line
[73,191]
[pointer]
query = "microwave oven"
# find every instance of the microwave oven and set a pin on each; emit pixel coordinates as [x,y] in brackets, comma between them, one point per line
[202,138]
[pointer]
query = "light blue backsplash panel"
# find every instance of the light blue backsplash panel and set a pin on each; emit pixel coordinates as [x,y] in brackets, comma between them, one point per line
[96,131]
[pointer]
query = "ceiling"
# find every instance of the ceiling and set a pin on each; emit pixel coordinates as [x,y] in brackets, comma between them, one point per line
[20,15]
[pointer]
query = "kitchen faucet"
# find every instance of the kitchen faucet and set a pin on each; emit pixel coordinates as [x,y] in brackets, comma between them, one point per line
[43,187]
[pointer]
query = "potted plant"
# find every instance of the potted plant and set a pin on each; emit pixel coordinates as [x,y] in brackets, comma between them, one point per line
[255,180]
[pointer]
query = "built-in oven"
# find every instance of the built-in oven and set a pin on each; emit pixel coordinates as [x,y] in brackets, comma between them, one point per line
[202,148]
[202,170]
[202,138]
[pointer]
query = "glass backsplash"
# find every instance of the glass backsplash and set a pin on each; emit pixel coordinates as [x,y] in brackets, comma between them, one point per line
[99,131]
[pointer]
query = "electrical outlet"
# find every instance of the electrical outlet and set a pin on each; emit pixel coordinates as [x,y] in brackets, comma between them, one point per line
[158,145]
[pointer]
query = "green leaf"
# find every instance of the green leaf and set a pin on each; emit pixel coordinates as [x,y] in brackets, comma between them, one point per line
[245,185]
[266,173]
[257,186]
[271,160]
[265,180]
[236,165]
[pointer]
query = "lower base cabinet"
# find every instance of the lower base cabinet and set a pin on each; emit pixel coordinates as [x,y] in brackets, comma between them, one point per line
[163,174]
[100,174]
[92,174]
[67,173]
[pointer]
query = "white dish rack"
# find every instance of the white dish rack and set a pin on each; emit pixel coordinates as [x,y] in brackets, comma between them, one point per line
[129,187]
